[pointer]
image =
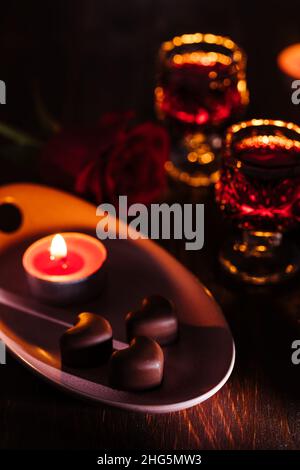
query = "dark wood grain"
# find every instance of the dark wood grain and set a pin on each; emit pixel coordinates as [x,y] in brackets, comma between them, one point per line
[89,57]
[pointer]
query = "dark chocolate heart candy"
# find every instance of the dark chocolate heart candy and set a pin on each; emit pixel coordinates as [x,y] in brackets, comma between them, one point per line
[156,319]
[138,367]
[88,343]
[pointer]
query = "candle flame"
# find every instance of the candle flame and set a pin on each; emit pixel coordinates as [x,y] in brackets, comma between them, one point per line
[58,248]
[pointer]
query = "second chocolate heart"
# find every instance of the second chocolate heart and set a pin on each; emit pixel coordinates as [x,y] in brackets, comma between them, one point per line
[139,367]
[156,319]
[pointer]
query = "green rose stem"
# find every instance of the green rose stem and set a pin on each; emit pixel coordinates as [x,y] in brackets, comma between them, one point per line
[18,137]
[46,120]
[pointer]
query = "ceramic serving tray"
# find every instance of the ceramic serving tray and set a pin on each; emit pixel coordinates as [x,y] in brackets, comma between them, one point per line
[196,367]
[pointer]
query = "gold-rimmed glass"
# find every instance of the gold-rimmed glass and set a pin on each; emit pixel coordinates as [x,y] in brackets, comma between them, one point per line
[201,87]
[259,190]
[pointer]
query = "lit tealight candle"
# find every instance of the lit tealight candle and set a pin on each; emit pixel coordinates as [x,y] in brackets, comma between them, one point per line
[65,268]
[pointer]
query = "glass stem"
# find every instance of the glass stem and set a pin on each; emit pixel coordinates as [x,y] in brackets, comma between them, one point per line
[258,243]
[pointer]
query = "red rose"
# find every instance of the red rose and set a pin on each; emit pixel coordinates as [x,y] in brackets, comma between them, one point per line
[111,159]
[136,165]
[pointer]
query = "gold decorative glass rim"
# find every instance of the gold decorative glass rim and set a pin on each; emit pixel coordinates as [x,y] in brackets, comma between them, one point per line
[238,55]
[277,123]
[195,181]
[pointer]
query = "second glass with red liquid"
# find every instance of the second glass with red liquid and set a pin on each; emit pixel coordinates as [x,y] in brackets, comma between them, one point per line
[259,190]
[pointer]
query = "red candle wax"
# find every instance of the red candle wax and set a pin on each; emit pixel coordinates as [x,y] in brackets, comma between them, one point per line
[72,263]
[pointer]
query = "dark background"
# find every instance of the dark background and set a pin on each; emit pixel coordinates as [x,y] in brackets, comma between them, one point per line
[93,56]
[82,58]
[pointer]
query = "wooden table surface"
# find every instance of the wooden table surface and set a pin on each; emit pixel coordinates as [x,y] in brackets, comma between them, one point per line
[259,408]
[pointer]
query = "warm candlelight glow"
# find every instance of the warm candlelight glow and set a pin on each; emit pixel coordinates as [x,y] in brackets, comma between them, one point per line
[271,142]
[58,248]
[289,60]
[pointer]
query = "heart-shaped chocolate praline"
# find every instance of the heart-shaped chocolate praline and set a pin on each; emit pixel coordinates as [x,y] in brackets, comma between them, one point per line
[88,343]
[138,367]
[156,319]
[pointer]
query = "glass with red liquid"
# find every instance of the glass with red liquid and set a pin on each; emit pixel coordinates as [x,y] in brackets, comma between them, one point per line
[201,87]
[259,190]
